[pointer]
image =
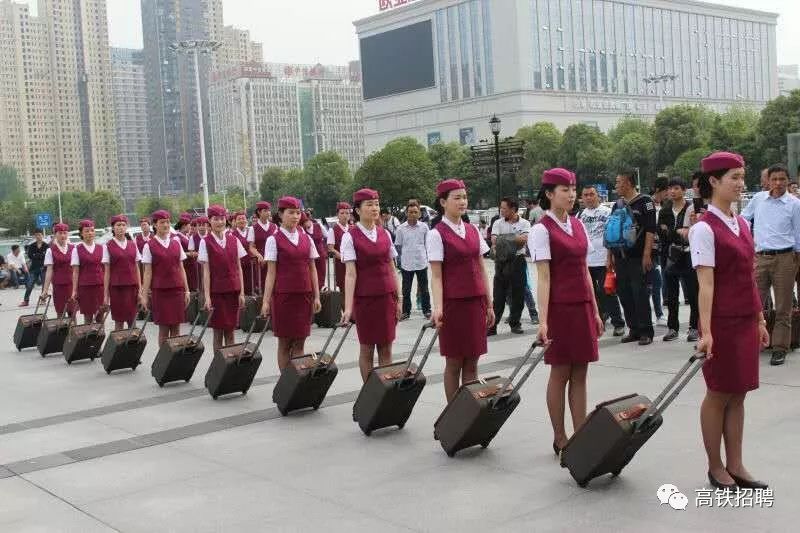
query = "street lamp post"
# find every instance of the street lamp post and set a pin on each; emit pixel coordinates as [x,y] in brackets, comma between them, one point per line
[655,80]
[494,124]
[159,187]
[194,47]
[58,186]
[244,187]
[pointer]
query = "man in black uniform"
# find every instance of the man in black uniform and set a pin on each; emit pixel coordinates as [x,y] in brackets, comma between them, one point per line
[35,252]
[633,264]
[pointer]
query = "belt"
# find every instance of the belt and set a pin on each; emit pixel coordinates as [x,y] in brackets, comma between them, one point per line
[776,252]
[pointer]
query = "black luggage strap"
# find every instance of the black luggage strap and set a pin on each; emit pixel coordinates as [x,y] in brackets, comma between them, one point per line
[673,388]
[407,373]
[135,334]
[322,363]
[507,384]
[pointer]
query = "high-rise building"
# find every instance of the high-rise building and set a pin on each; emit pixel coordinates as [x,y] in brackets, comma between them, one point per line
[238,49]
[788,78]
[281,115]
[437,70]
[130,109]
[171,90]
[57,87]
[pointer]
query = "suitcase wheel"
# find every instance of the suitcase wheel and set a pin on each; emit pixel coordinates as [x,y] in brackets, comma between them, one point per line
[484,445]
[214,396]
[187,380]
[616,473]
[367,432]
[401,426]
[108,371]
[451,454]
[316,407]
[160,383]
[244,392]
[582,484]
[69,362]
[19,349]
[283,412]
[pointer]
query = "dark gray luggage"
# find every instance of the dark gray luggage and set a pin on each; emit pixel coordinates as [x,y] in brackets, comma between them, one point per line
[618,428]
[250,314]
[331,300]
[391,391]
[178,356]
[306,380]
[85,341]
[28,327]
[234,367]
[480,408]
[53,334]
[124,348]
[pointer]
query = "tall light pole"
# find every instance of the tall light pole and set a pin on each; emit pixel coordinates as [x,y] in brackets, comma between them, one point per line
[244,187]
[58,187]
[655,80]
[194,47]
[159,186]
[494,123]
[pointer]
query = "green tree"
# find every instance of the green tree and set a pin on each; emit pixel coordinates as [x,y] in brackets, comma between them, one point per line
[272,183]
[542,145]
[401,170]
[149,204]
[585,150]
[630,125]
[11,188]
[632,151]
[679,129]
[735,131]
[780,117]
[16,217]
[294,183]
[327,180]
[688,163]
[452,160]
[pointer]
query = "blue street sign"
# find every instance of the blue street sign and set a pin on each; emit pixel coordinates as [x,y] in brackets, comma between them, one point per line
[43,220]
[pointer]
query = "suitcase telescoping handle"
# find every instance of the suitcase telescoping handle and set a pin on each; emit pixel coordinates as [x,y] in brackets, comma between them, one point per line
[247,340]
[509,382]
[39,303]
[421,365]
[138,333]
[205,325]
[673,388]
[335,353]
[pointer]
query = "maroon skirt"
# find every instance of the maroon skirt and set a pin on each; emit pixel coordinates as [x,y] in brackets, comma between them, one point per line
[734,367]
[191,266]
[61,295]
[248,271]
[168,306]
[90,299]
[322,268]
[573,332]
[226,310]
[463,331]
[376,318]
[124,300]
[339,272]
[291,314]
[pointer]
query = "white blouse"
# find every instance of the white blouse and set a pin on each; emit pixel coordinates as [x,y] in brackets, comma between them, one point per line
[75,260]
[701,238]
[202,252]
[48,255]
[251,232]
[539,238]
[147,256]
[271,246]
[435,246]
[348,249]
[122,244]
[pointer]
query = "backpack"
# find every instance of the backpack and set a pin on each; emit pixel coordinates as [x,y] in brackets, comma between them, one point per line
[621,231]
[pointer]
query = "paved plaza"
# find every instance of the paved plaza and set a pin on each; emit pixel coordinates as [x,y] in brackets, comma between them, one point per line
[82,451]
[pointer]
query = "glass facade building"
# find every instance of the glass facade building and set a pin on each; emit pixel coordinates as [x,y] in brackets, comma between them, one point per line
[616,48]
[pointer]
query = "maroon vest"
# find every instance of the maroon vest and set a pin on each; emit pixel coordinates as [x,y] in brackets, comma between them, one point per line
[735,293]
[122,264]
[91,270]
[338,233]
[260,236]
[568,269]
[62,269]
[319,240]
[291,270]
[374,273]
[166,264]
[140,242]
[224,264]
[242,239]
[462,276]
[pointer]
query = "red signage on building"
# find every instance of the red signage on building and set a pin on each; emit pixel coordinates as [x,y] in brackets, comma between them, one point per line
[384,5]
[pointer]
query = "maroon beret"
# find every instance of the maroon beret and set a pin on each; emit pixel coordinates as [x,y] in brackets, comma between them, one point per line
[201,220]
[117,218]
[303,218]
[721,161]
[216,211]
[288,202]
[85,224]
[343,205]
[263,205]
[558,176]
[60,227]
[185,218]
[363,195]
[446,186]
[161,214]
[238,214]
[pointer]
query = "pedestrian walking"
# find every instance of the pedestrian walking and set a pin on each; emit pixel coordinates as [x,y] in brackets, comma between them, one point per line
[410,243]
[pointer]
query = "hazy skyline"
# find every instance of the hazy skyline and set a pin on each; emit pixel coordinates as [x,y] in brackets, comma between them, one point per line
[322,30]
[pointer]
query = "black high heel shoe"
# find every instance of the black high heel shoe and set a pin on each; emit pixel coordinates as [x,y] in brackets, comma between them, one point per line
[722,486]
[748,484]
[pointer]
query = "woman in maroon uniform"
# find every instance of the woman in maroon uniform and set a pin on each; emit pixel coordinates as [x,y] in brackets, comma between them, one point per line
[145,235]
[220,251]
[570,322]
[291,293]
[339,228]
[257,236]
[165,279]
[462,304]
[372,296]
[241,231]
[184,234]
[319,238]
[87,273]
[57,259]
[121,280]
[732,326]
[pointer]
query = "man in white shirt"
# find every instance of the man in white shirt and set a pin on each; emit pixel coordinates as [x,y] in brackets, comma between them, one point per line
[594,217]
[410,243]
[17,266]
[510,275]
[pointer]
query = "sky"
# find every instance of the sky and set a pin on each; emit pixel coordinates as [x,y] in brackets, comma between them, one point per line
[311,31]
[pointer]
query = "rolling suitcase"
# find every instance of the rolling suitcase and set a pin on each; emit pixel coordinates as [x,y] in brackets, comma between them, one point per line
[331,299]
[29,326]
[391,391]
[250,315]
[124,348]
[234,367]
[616,429]
[178,356]
[53,334]
[195,299]
[305,382]
[85,341]
[480,408]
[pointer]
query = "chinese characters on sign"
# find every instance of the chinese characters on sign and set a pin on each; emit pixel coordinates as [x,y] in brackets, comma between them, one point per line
[383,5]
[740,498]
